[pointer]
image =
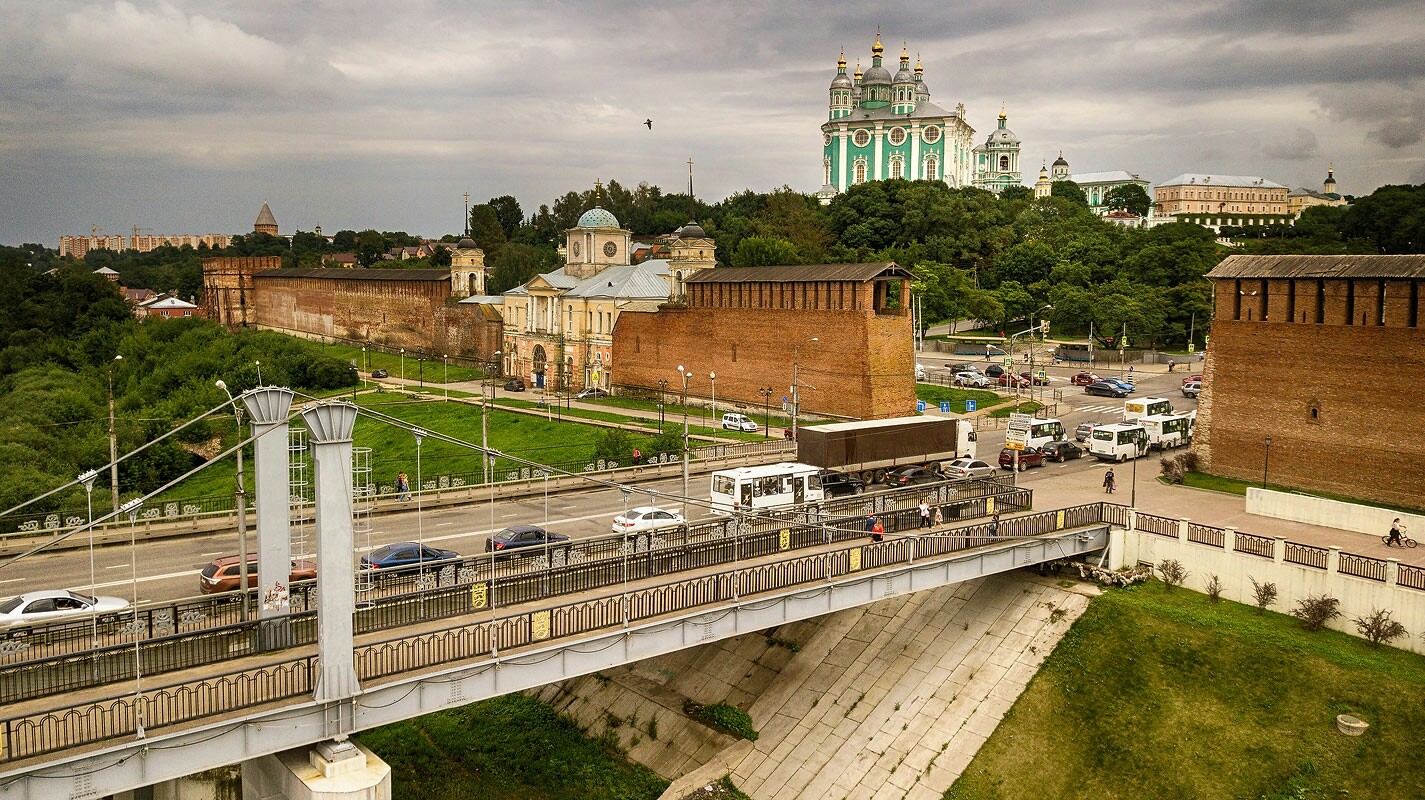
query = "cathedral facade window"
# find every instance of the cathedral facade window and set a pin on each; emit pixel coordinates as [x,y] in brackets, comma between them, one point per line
[897,167]
[862,138]
[897,136]
[860,170]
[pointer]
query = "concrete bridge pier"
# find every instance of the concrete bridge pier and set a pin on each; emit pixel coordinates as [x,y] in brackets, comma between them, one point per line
[339,769]
[268,408]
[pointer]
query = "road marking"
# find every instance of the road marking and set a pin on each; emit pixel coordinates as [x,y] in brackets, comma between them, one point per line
[213,555]
[442,524]
[12,580]
[145,578]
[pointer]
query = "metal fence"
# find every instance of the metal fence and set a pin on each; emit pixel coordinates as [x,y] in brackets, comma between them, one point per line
[1254,545]
[1162,526]
[1206,534]
[1361,567]
[1306,555]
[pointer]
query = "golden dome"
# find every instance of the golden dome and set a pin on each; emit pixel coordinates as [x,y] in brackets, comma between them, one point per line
[841,62]
[877,49]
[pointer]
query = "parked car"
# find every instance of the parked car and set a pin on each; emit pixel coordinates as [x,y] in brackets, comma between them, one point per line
[1084,379]
[1106,389]
[646,518]
[592,393]
[1028,457]
[515,385]
[920,372]
[1062,451]
[1035,379]
[974,379]
[1125,385]
[910,476]
[958,368]
[405,554]
[225,574]
[1010,379]
[995,370]
[46,605]
[835,483]
[1084,431]
[1192,388]
[379,373]
[738,422]
[1191,378]
[518,536]
[969,468]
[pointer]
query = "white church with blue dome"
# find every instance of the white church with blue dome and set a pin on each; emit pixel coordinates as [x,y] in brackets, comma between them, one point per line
[558,327]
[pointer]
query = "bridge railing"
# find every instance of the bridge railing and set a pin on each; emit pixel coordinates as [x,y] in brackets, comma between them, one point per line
[30,735]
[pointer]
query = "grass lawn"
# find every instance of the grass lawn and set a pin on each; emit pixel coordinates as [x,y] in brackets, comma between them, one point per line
[1025,407]
[1218,483]
[509,748]
[1157,694]
[933,395]
[432,370]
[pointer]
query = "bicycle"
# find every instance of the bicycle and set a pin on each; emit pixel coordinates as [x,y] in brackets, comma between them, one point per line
[1405,540]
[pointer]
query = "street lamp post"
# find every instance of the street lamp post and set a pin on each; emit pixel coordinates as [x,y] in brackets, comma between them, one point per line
[1266,459]
[113,439]
[796,396]
[365,359]
[403,366]
[1033,327]
[445,379]
[421,371]
[766,393]
[712,380]
[258,364]
[484,417]
[662,402]
[685,375]
[241,496]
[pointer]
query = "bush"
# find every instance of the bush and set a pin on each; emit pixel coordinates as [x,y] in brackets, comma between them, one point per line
[1379,627]
[1264,594]
[666,442]
[723,717]
[1214,588]
[1315,611]
[1173,573]
[1175,468]
[614,444]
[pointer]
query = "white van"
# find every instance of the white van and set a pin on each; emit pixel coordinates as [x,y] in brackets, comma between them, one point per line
[1166,431]
[738,422]
[1146,407]
[1044,431]
[1118,442]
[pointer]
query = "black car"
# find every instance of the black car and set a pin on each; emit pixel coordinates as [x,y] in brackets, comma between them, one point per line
[379,373]
[839,484]
[518,536]
[994,371]
[1062,451]
[514,385]
[910,476]
[404,554]
[1105,389]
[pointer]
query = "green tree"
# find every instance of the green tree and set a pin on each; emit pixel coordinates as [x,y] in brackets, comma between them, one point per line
[1129,197]
[516,263]
[1069,191]
[1017,193]
[344,241]
[508,213]
[486,230]
[440,257]
[760,251]
[370,246]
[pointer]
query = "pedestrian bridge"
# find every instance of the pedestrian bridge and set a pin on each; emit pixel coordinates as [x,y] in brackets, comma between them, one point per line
[106,739]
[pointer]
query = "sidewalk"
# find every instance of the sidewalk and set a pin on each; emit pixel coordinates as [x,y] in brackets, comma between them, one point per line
[1201,505]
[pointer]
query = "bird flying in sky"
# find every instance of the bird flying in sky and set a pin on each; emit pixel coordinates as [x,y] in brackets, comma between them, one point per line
[649,123]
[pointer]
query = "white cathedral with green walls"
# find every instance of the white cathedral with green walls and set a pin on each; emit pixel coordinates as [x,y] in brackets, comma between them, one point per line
[882,126]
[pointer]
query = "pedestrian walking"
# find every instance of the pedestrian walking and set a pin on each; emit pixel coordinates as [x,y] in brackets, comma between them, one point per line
[1171,364]
[1109,484]
[1397,530]
[637,456]
[994,524]
[870,522]
[924,514]
[878,532]
[403,488]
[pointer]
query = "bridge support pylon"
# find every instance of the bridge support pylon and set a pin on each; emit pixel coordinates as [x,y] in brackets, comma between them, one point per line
[268,408]
[335,770]
[330,425]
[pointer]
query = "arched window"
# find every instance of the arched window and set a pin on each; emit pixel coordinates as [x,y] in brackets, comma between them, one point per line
[932,169]
[897,167]
[1004,163]
[860,170]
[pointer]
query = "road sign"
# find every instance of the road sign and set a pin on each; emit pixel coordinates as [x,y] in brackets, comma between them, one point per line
[1008,362]
[1020,422]
[920,405]
[945,406]
[971,405]
[1042,375]
[1191,347]
[1010,444]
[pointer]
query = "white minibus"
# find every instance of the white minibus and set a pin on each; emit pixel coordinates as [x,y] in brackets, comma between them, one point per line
[1044,431]
[1166,431]
[1119,441]
[1146,407]
[769,486]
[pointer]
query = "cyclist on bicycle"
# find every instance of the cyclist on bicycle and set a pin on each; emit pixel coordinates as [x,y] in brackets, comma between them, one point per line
[1396,531]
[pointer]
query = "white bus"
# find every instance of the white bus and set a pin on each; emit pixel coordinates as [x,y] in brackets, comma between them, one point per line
[1119,441]
[770,486]
[1044,431]
[1166,431]
[1146,407]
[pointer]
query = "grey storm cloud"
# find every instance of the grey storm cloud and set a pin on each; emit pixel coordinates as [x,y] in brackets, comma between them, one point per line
[184,115]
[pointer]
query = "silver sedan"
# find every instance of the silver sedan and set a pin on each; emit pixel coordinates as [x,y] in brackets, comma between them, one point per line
[53,604]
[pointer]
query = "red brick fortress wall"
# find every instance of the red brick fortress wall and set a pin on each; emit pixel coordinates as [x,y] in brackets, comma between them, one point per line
[395,313]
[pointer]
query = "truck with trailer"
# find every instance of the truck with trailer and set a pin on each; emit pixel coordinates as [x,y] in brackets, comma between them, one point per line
[871,448]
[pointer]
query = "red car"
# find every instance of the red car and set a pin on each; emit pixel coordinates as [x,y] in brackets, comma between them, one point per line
[1028,457]
[1035,379]
[1009,379]
[1084,379]
[1191,378]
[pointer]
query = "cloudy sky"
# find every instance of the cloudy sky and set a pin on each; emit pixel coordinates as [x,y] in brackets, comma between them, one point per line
[184,116]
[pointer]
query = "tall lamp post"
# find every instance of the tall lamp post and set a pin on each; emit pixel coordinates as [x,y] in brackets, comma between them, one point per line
[241,495]
[1266,459]
[662,401]
[403,366]
[712,418]
[113,439]
[1032,374]
[484,417]
[796,396]
[445,379]
[685,375]
[766,392]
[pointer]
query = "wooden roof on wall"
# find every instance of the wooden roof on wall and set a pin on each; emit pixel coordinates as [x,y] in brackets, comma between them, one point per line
[803,273]
[343,274]
[1320,267]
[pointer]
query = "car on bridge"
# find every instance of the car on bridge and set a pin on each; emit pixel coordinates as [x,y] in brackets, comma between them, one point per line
[835,483]
[965,468]
[646,518]
[48,605]
[225,574]
[911,476]
[405,554]
[517,537]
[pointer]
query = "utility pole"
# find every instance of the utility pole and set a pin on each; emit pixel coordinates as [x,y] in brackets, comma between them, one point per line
[113,439]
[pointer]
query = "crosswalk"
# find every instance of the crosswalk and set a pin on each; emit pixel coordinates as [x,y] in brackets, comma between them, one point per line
[1100,409]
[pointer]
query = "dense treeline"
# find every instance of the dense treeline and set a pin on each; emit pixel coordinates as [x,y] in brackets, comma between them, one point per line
[60,331]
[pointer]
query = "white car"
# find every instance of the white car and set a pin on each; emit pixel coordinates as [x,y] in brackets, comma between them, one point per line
[969,468]
[971,379]
[33,608]
[646,518]
[739,422]
[1192,388]
[920,372]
